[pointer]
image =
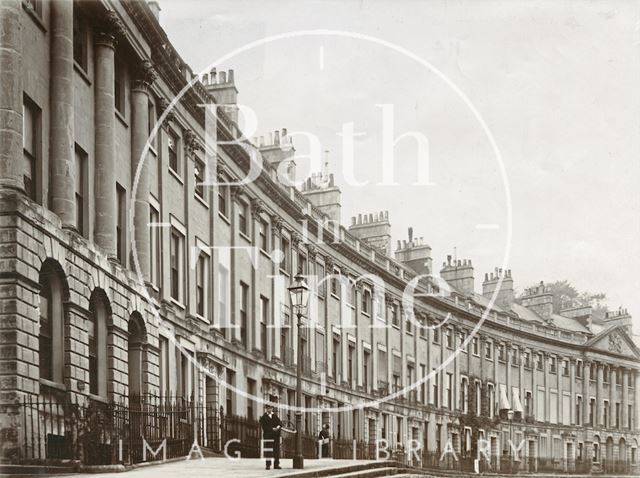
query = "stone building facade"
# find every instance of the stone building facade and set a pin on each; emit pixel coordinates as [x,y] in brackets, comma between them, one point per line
[121,279]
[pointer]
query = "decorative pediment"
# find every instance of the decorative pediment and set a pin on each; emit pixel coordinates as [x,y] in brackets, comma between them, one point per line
[615,340]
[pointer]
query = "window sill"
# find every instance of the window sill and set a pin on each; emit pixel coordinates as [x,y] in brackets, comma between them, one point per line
[201,200]
[265,253]
[476,355]
[177,303]
[34,16]
[54,385]
[82,72]
[99,398]
[176,175]
[121,117]
[222,216]
[202,319]
[335,296]
[244,236]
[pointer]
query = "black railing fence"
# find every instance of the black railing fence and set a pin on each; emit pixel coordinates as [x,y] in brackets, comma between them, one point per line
[150,428]
[99,433]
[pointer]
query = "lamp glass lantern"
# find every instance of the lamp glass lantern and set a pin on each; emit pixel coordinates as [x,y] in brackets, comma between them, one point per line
[299,293]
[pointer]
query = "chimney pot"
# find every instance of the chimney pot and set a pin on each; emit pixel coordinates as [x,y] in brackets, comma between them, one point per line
[449,259]
[230,76]
[276,138]
[223,77]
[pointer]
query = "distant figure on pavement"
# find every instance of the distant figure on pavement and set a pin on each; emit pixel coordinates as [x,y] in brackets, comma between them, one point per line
[324,438]
[271,425]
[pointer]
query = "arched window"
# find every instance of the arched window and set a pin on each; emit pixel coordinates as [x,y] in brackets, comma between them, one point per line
[97,331]
[46,329]
[53,293]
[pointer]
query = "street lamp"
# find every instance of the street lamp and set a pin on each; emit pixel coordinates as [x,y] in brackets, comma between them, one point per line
[299,292]
[510,414]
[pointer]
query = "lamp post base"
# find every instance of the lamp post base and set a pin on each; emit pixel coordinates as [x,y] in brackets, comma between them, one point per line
[298,462]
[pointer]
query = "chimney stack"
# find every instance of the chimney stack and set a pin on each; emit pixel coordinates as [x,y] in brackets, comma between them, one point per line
[539,299]
[505,295]
[414,255]
[375,230]
[221,86]
[459,275]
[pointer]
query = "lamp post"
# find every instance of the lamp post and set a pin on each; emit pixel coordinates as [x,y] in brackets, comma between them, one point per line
[299,293]
[510,415]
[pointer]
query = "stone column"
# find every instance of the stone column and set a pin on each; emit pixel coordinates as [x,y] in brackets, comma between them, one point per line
[61,140]
[612,397]
[144,77]
[235,334]
[105,159]
[507,372]
[625,401]
[255,335]
[586,370]
[599,396]
[636,401]
[547,386]
[274,332]
[11,95]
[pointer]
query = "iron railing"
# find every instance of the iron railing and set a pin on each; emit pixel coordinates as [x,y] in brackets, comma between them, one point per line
[101,433]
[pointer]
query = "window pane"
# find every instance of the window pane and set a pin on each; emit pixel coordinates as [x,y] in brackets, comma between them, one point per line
[46,330]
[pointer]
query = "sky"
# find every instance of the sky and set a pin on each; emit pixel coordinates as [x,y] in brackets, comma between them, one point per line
[555,83]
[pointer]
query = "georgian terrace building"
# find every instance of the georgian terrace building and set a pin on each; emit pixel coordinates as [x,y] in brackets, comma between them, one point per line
[82,87]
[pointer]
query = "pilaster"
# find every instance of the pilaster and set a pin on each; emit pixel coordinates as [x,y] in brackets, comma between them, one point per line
[61,141]
[11,167]
[144,77]
[105,157]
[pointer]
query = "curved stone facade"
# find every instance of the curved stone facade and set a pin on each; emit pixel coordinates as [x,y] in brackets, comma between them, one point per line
[205,260]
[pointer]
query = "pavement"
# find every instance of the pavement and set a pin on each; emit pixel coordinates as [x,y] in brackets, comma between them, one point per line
[218,467]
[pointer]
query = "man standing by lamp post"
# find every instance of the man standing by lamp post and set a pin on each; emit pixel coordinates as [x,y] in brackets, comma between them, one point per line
[299,293]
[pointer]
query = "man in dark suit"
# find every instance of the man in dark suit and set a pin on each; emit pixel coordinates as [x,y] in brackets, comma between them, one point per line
[271,426]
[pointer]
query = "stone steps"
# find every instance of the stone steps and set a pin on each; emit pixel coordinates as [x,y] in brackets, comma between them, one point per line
[348,470]
[372,473]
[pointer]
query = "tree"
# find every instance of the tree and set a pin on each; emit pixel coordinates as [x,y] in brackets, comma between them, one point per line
[566,296]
